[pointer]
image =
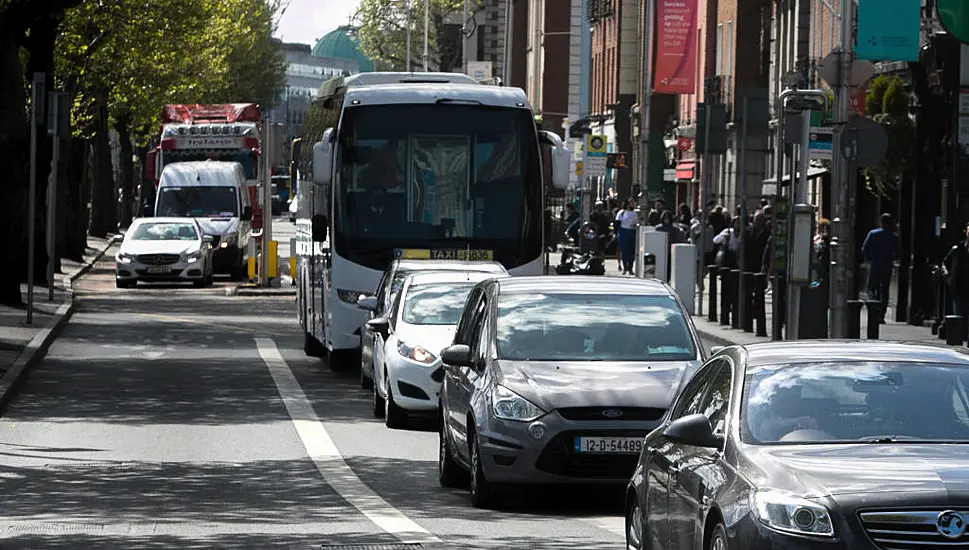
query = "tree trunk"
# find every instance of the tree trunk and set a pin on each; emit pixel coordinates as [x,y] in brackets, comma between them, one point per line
[14,158]
[74,218]
[122,126]
[104,208]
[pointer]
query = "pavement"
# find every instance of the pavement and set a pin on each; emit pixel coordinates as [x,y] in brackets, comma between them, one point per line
[22,344]
[175,417]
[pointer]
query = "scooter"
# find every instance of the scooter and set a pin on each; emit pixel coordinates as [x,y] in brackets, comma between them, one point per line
[588,260]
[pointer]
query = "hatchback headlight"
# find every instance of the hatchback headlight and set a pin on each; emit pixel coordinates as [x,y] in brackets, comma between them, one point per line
[508,405]
[790,513]
[416,353]
[124,258]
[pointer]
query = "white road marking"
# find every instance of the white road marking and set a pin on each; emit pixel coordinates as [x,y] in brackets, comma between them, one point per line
[613,524]
[327,458]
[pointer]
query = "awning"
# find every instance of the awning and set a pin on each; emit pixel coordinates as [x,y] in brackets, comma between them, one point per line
[813,172]
[684,170]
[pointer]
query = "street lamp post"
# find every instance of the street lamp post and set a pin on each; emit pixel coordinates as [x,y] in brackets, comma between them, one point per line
[408,35]
[427,18]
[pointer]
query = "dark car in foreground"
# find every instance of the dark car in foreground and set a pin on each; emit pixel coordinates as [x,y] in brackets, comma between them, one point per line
[797,445]
[557,380]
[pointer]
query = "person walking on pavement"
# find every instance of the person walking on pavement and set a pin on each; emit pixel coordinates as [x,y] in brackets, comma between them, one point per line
[627,220]
[955,271]
[882,248]
[729,242]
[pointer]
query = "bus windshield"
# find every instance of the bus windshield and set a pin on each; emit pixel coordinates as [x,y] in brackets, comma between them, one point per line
[197,202]
[245,158]
[438,176]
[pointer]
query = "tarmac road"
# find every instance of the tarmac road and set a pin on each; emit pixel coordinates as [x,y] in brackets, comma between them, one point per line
[175,417]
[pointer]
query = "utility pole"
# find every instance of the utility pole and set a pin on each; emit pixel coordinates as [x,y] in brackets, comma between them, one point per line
[506,59]
[647,93]
[842,248]
[408,34]
[464,38]
[427,18]
[59,126]
[38,103]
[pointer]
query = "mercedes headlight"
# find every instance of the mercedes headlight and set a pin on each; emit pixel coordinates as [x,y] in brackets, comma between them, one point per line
[508,405]
[787,512]
[124,258]
[416,353]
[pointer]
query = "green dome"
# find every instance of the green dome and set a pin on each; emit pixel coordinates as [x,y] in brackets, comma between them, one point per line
[340,45]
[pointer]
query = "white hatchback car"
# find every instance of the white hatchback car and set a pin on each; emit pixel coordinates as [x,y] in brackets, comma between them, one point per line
[164,249]
[407,342]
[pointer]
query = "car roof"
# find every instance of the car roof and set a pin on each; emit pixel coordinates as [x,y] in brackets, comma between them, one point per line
[827,351]
[451,276]
[582,284]
[449,265]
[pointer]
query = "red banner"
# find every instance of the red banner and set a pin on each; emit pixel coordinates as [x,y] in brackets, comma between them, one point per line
[675,60]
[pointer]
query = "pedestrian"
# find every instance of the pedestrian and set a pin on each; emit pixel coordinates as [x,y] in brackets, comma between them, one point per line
[627,220]
[955,271]
[729,242]
[882,248]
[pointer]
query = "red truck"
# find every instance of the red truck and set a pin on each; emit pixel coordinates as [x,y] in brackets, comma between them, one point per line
[229,131]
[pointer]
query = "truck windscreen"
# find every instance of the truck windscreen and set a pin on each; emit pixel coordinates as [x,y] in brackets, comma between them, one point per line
[438,176]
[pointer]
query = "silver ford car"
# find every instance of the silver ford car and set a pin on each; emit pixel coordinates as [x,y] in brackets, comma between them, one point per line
[557,380]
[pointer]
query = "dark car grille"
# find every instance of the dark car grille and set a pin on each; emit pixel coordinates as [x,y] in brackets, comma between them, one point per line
[908,529]
[611,413]
[158,259]
[560,458]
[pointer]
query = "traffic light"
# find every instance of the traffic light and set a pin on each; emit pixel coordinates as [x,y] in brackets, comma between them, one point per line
[717,129]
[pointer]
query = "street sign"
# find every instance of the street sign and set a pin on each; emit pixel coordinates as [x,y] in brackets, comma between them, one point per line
[861,71]
[596,149]
[820,142]
[805,103]
[888,30]
[865,142]
[578,168]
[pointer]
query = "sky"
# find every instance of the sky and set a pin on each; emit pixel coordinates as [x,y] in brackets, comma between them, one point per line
[306,21]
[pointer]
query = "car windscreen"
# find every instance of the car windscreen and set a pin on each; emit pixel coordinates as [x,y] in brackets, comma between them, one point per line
[197,202]
[592,327]
[160,231]
[855,402]
[435,304]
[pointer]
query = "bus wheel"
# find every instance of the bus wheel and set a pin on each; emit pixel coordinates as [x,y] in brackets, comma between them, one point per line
[343,360]
[312,347]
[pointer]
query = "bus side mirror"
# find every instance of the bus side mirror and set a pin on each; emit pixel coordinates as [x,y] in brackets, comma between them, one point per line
[246,213]
[561,167]
[319,228]
[323,158]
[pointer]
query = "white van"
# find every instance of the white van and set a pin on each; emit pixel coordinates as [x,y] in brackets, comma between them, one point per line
[215,194]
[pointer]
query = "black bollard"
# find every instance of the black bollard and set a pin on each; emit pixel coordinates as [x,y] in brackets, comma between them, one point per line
[760,303]
[955,330]
[854,318]
[712,305]
[874,317]
[748,320]
[779,295]
[734,301]
[724,296]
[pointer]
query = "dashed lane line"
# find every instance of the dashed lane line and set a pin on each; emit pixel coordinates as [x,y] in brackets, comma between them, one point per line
[327,458]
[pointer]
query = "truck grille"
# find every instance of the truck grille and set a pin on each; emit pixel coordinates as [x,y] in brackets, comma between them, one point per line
[158,259]
[560,458]
[611,413]
[906,530]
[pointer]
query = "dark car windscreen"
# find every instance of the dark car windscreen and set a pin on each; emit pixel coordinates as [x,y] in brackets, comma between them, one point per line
[435,304]
[592,327]
[855,402]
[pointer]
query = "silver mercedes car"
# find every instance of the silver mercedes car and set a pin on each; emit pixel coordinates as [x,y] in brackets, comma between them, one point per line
[557,380]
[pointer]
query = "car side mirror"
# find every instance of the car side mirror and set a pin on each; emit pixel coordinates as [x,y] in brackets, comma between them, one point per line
[458,355]
[693,430]
[320,225]
[246,214]
[716,349]
[367,303]
[380,325]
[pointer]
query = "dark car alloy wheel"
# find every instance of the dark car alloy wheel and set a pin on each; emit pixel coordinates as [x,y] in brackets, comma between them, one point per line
[394,416]
[449,473]
[634,529]
[718,540]
[482,495]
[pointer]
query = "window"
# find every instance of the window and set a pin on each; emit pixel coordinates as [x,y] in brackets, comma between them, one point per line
[717,403]
[197,202]
[690,400]
[482,347]
[475,303]
[435,304]
[719,49]
[149,231]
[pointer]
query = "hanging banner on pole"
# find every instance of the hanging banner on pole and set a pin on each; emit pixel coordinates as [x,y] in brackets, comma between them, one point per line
[888,30]
[674,69]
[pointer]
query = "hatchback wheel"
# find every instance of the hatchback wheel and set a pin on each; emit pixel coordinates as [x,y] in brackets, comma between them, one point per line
[394,416]
[449,473]
[718,540]
[482,494]
[377,403]
[634,529]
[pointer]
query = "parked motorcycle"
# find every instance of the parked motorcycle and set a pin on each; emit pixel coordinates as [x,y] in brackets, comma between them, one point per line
[588,259]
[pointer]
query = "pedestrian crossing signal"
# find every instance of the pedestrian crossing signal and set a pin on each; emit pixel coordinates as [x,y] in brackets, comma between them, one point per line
[616,160]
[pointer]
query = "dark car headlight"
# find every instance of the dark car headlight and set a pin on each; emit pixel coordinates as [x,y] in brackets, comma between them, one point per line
[790,513]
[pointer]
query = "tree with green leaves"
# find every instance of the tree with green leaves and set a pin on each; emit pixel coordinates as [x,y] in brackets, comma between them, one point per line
[383,26]
[887,104]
